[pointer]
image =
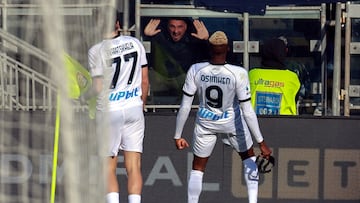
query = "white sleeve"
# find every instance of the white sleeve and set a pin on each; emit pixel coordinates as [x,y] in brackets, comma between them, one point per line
[143,59]
[94,60]
[251,120]
[182,115]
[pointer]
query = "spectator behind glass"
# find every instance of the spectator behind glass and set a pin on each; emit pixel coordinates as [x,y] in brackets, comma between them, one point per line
[273,86]
[173,50]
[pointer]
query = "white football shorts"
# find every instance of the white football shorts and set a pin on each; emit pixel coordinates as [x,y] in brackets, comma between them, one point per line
[204,141]
[125,130]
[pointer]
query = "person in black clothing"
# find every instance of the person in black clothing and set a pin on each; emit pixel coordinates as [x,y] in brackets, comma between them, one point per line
[174,49]
[273,53]
[274,62]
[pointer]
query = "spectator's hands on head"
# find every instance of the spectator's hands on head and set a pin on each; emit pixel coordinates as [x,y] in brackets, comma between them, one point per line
[201,30]
[151,27]
[177,29]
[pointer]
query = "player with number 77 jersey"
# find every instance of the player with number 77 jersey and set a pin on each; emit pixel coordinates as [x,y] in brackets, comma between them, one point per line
[118,66]
[119,62]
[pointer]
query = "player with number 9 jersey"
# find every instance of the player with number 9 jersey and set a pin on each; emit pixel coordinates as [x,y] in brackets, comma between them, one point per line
[219,88]
[224,111]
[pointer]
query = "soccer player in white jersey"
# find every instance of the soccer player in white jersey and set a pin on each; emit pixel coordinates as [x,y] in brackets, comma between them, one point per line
[225,110]
[120,78]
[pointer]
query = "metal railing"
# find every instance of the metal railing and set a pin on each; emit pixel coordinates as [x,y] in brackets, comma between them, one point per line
[21,88]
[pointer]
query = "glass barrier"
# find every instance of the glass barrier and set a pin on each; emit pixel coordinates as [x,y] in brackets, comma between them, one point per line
[300,58]
[166,88]
[354,91]
[169,61]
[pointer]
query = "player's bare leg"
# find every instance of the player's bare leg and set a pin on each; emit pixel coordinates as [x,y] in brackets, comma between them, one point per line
[112,185]
[133,169]
[196,177]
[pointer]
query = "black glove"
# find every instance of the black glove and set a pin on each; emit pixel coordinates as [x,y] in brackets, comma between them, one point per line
[265,165]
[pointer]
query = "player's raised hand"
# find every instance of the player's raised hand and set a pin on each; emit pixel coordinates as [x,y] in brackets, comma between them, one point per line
[151,27]
[181,143]
[201,30]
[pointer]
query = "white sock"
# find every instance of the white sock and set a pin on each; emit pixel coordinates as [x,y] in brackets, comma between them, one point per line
[134,198]
[195,186]
[112,197]
[251,175]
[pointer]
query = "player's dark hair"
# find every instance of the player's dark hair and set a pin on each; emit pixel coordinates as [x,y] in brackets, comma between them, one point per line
[100,15]
[185,19]
[118,16]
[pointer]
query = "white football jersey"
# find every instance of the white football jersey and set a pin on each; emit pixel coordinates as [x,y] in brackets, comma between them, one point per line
[119,62]
[219,87]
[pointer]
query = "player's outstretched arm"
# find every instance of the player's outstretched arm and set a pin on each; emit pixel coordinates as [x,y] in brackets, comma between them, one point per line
[151,28]
[182,115]
[201,30]
[181,143]
[251,120]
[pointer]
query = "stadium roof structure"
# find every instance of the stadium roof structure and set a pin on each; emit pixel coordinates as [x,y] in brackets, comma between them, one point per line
[255,7]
